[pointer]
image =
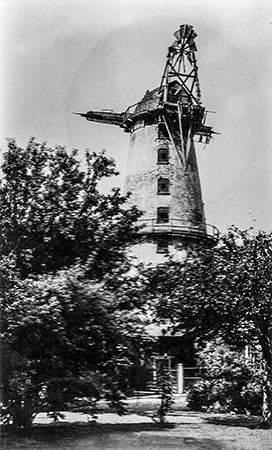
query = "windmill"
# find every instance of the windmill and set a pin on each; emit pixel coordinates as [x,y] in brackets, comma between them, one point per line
[162,174]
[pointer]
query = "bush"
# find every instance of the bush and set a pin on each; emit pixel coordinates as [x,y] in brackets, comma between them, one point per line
[229,383]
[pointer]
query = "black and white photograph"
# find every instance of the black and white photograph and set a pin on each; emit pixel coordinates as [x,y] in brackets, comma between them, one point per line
[136,224]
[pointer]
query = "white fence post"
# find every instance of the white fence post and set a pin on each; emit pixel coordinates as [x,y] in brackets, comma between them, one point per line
[180,378]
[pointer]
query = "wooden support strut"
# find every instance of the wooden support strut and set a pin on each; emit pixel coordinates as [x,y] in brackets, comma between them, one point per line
[184,85]
[188,147]
[172,140]
[185,145]
[164,83]
[182,143]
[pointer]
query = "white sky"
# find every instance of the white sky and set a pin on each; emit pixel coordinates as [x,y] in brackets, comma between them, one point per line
[63,56]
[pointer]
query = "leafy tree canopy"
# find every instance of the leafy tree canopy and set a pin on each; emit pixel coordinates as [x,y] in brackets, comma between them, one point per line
[71,322]
[53,215]
[66,337]
[222,291]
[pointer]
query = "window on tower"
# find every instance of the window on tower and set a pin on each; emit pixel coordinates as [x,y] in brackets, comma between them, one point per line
[163,215]
[162,244]
[198,217]
[163,155]
[162,130]
[163,186]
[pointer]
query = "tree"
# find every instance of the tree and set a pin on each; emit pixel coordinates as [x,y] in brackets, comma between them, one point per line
[65,338]
[68,309]
[165,391]
[53,215]
[223,291]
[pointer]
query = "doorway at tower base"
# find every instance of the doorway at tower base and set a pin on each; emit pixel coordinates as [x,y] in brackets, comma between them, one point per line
[174,351]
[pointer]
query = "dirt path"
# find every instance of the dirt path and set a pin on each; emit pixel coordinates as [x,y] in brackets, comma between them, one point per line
[186,430]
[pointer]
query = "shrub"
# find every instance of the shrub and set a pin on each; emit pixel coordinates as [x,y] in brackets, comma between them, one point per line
[165,389]
[229,383]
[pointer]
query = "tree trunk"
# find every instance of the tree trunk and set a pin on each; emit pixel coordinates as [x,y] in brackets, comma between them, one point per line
[267,389]
[22,416]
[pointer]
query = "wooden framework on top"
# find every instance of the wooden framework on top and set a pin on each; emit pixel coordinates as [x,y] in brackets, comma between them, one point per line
[175,104]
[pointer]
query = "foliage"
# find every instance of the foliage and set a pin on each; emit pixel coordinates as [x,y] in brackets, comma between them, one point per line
[53,215]
[164,385]
[222,291]
[65,338]
[229,382]
[70,322]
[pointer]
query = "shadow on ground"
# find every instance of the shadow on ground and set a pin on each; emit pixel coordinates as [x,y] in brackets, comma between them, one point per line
[43,432]
[234,421]
[107,437]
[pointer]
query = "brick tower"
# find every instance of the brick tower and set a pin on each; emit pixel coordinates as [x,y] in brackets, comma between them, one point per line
[162,174]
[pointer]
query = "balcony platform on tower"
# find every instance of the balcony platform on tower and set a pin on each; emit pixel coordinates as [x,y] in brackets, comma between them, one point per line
[177,227]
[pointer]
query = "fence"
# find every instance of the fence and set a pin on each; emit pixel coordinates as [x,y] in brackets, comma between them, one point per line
[182,378]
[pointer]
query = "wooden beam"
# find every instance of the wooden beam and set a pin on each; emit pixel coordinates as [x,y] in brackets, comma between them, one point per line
[172,140]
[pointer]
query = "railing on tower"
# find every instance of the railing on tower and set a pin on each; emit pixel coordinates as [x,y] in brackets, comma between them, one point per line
[178,227]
